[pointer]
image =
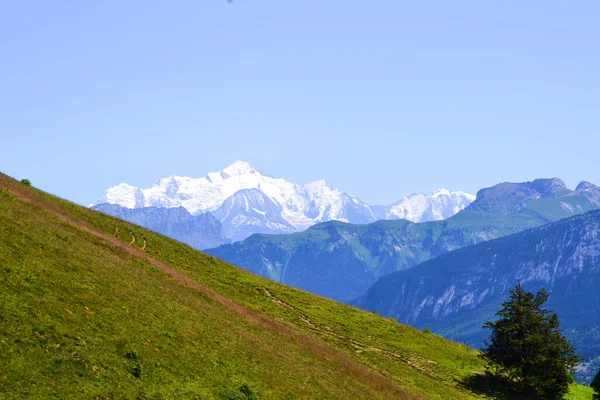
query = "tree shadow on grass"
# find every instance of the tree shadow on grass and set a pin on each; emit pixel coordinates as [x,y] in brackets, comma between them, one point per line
[491,385]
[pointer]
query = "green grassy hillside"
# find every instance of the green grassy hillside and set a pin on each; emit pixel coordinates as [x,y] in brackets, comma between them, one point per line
[94,307]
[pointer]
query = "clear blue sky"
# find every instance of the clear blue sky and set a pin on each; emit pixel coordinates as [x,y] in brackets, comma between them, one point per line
[381,98]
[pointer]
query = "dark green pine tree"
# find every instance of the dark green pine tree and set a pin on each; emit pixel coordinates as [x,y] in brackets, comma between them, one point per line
[527,348]
[596,386]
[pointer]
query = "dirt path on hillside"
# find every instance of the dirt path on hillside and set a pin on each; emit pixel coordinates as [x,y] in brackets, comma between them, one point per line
[310,343]
[132,239]
[413,361]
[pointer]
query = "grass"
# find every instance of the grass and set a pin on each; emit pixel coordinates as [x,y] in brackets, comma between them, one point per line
[580,392]
[86,314]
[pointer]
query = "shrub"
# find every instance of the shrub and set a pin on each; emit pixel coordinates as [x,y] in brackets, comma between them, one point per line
[131,354]
[26,182]
[137,369]
[241,393]
[426,330]
[6,194]
[136,366]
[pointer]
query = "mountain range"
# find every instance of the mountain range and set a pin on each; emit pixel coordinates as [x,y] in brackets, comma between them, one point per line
[455,293]
[444,261]
[341,260]
[89,312]
[448,275]
[246,201]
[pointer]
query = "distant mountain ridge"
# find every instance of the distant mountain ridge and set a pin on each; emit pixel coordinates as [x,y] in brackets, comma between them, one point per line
[247,202]
[509,197]
[341,261]
[420,207]
[199,231]
[456,292]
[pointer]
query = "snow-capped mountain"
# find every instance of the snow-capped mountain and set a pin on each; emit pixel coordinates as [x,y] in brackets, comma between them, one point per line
[420,207]
[247,202]
[251,211]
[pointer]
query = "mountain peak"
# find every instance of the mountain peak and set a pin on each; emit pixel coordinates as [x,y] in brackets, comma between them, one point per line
[125,195]
[317,184]
[420,207]
[442,191]
[585,185]
[239,168]
[296,206]
[509,196]
[548,185]
[168,180]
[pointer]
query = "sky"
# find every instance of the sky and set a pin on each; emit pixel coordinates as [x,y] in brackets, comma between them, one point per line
[382,98]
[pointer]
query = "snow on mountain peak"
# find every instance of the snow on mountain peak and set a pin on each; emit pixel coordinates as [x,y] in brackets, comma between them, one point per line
[440,205]
[297,206]
[442,192]
[169,180]
[239,168]
[316,185]
[124,195]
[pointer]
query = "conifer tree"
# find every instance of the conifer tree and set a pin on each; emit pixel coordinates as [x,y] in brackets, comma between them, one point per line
[528,348]
[596,386]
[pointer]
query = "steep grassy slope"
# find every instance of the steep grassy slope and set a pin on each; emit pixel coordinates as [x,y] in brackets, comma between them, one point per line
[94,307]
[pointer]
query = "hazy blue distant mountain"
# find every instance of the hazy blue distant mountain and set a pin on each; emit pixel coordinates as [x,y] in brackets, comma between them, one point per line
[342,261]
[199,231]
[247,202]
[547,197]
[456,292]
